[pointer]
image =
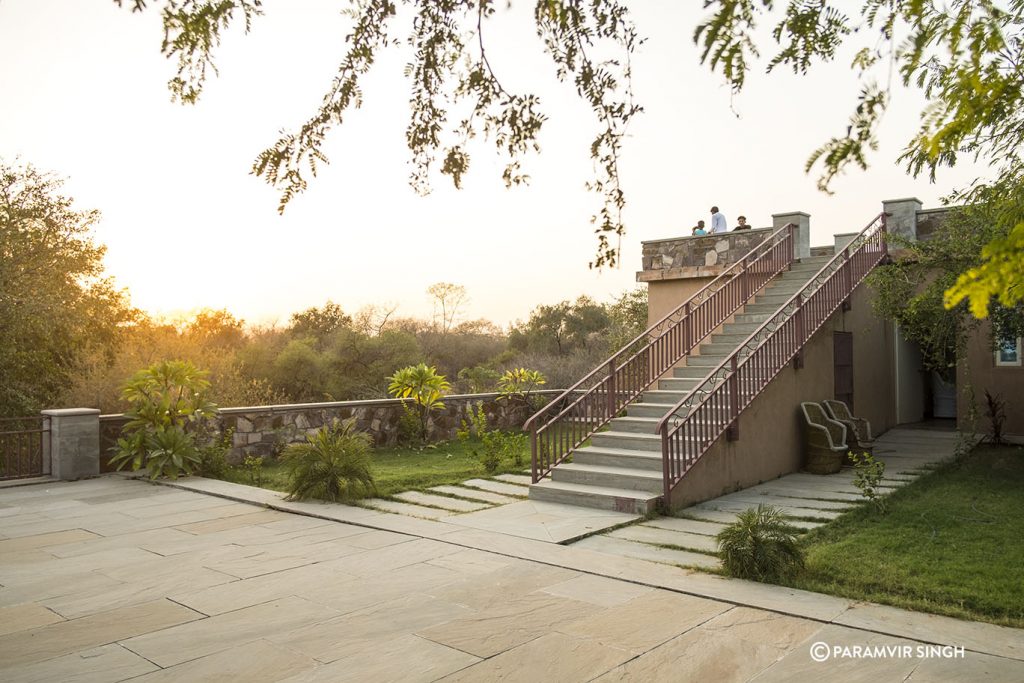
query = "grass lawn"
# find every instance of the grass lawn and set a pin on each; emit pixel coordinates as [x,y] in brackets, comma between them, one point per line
[405,469]
[951,543]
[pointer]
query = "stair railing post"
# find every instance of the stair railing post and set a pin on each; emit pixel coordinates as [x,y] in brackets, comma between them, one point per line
[685,324]
[611,389]
[732,432]
[667,479]
[847,278]
[533,454]
[883,234]
[798,323]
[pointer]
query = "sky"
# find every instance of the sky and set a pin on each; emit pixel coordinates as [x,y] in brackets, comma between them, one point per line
[187,226]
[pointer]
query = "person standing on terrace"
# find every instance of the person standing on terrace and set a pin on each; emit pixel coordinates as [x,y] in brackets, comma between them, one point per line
[742,224]
[698,230]
[718,223]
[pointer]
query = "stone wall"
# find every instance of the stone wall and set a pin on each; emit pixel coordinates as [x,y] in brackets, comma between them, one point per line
[265,430]
[697,256]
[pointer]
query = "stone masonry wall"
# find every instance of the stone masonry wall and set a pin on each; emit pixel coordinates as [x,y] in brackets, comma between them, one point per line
[265,430]
[697,256]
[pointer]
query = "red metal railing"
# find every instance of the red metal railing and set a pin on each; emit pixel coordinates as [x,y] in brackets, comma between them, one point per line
[712,407]
[591,403]
[22,451]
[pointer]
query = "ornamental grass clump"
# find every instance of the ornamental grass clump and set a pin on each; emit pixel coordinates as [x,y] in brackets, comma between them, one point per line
[333,465]
[760,545]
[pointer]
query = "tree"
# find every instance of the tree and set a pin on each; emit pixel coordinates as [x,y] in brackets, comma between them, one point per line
[424,386]
[449,300]
[56,307]
[318,323]
[965,55]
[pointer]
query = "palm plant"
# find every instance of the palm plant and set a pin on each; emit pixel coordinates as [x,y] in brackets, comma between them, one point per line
[424,386]
[760,545]
[519,383]
[333,465]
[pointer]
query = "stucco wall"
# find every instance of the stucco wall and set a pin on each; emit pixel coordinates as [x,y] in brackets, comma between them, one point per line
[980,373]
[770,440]
[665,296]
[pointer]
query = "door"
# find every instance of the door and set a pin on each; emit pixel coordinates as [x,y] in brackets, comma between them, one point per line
[842,354]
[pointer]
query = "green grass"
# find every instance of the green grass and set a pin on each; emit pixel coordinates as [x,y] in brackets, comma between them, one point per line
[404,469]
[951,543]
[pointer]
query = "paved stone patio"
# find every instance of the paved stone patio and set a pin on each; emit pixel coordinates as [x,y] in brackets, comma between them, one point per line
[112,579]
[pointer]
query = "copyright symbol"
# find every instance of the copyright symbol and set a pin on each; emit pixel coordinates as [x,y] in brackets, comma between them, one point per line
[819,651]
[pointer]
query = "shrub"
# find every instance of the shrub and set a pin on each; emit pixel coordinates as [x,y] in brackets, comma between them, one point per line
[253,465]
[995,410]
[475,423]
[867,474]
[500,446]
[424,386]
[760,545]
[333,465]
[409,427]
[213,457]
[168,405]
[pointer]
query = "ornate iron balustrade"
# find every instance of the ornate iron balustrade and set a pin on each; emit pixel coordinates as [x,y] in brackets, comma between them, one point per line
[584,408]
[712,407]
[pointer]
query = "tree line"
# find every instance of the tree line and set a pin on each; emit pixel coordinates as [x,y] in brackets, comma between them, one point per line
[69,336]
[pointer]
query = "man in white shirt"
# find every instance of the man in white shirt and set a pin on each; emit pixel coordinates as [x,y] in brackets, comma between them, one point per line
[717,221]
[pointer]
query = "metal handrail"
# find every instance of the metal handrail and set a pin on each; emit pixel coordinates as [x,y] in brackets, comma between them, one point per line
[612,384]
[713,405]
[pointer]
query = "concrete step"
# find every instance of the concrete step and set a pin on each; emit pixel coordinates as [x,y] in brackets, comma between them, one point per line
[708,361]
[691,371]
[678,383]
[618,457]
[774,298]
[761,308]
[666,398]
[609,477]
[621,500]
[755,318]
[627,440]
[643,425]
[655,410]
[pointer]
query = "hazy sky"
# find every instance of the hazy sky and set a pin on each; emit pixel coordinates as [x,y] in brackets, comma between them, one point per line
[83,93]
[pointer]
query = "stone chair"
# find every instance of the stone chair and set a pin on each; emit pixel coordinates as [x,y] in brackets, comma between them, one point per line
[858,430]
[825,440]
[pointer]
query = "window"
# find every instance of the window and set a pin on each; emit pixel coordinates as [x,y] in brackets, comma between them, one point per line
[1008,352]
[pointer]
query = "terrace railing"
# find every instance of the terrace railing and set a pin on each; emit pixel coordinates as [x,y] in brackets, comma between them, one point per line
[713,407]
[23,447]
[584,408]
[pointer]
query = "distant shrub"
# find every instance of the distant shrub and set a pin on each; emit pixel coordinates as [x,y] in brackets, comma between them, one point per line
[501,446]
[333,465]
[760,545]
[474,425]
[253,466]
[409,427]
[519,383]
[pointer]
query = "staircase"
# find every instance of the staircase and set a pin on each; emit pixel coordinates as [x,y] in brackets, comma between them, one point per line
[622,468]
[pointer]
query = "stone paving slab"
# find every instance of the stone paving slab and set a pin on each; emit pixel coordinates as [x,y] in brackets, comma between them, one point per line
[520,479]
[105,663]
[473,494]
[405,508]
[453,504]
[655,536]
[551,522]
[786,501]
[686,525]
[643,551]
[497,487]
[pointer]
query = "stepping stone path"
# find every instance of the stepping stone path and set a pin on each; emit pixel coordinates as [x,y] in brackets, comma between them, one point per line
[689,540]
[470,496]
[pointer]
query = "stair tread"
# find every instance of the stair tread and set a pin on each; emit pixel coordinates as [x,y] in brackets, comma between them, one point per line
[611,469]
[611,450]
[598,490]
[632,435]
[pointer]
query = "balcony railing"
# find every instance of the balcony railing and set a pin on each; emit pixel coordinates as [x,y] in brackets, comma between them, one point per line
[23,447]
[713,407]
[581,410]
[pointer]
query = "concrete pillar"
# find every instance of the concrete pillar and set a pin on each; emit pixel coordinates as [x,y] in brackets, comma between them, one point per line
[802,248]
[74,443]
[844,239]
[903,218]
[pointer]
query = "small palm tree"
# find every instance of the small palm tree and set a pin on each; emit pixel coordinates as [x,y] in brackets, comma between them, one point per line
[333,465]
[760,545]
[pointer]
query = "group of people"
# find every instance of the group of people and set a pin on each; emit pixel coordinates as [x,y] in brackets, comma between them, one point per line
[718,224]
